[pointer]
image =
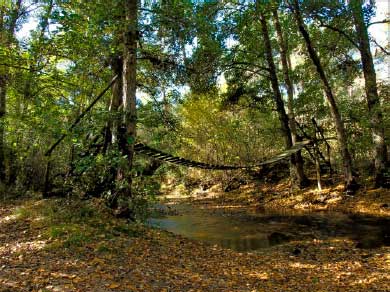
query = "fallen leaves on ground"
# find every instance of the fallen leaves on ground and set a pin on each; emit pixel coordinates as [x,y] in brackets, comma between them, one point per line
[271,196]
[154,260]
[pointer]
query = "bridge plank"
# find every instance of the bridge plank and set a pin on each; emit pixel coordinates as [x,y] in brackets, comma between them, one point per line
[160,155]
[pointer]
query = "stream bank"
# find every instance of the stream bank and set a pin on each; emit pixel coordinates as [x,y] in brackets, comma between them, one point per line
[279,197]
[36,255]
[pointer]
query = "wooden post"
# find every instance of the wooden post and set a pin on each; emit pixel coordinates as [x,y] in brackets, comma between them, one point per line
[318,172]
[317,160]
[321,134]
[47,179]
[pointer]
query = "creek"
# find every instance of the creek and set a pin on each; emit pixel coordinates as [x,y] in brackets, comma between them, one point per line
[250,230]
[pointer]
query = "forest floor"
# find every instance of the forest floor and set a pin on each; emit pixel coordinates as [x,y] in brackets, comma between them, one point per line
[63,245]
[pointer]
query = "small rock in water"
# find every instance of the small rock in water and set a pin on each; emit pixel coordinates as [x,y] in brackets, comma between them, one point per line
[277,238]
[368,243]
[296,251]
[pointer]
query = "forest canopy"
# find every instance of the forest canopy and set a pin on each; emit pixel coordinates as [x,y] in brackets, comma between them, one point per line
[218,82]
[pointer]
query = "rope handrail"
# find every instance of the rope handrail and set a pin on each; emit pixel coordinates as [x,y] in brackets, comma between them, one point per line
[81,116]
[163,156]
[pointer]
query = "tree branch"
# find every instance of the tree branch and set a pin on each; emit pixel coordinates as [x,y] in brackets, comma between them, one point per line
[254,72]
[378,22]
[343,33]
[380,47]
[81,116]
[250,65]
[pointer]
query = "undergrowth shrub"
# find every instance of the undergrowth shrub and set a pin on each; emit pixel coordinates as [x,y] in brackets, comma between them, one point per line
[75,223]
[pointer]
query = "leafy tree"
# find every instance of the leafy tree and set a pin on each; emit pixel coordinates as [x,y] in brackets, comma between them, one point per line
[350,182]
[372,97]
[10,14]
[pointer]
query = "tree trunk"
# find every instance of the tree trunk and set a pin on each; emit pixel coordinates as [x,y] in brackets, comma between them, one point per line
[283,117]
[116,100]
[3,91]
[373,101]
[298,166]
[129,76]
[127,129]
[350,183]
[6,39]
[3,94]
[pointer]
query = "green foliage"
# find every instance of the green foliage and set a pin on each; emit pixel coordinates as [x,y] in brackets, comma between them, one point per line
[73,224]
[226,136]
[22,213]
[70,235]
[144,192]
[203,89]
[76,239]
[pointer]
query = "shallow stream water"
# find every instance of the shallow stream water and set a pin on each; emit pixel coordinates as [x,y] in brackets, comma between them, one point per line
[250,231]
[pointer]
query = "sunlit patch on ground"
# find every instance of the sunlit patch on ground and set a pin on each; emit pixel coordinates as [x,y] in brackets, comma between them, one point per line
[260,275]
[299,265]
[276,196]
[8,283]
[19,247]
[7,219]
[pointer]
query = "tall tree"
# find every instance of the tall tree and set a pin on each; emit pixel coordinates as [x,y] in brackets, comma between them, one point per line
[283,117]
[350,183]
[372,97]
[283,45]
[127,129]
[9,15]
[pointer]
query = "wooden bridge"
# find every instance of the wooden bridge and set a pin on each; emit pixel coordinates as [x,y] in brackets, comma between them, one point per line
[141,148]
[160,155]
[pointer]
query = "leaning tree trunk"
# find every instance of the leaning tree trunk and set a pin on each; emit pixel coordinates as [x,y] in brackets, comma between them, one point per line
[350,183]
[373,101]
[283,117]
[298,166]
[127,129]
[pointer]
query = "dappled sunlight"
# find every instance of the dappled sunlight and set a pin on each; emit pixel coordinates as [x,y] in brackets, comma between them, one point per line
[8,218]
[373,280]
[7,283]
[299,265]
[194,146]
[22,247]
[222,207]
[343,268]
[11,214]
[159,259]
[260,275]
[280,196]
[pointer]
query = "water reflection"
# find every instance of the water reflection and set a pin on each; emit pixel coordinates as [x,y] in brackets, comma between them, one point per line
[244,244]
[261,230]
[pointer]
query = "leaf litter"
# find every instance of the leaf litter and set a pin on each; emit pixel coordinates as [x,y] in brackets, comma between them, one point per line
[145,259]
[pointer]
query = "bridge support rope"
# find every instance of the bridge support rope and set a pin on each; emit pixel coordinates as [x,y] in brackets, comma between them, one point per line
[160,155]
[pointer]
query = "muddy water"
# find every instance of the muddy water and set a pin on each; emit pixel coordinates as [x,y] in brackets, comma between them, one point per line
[249,231]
